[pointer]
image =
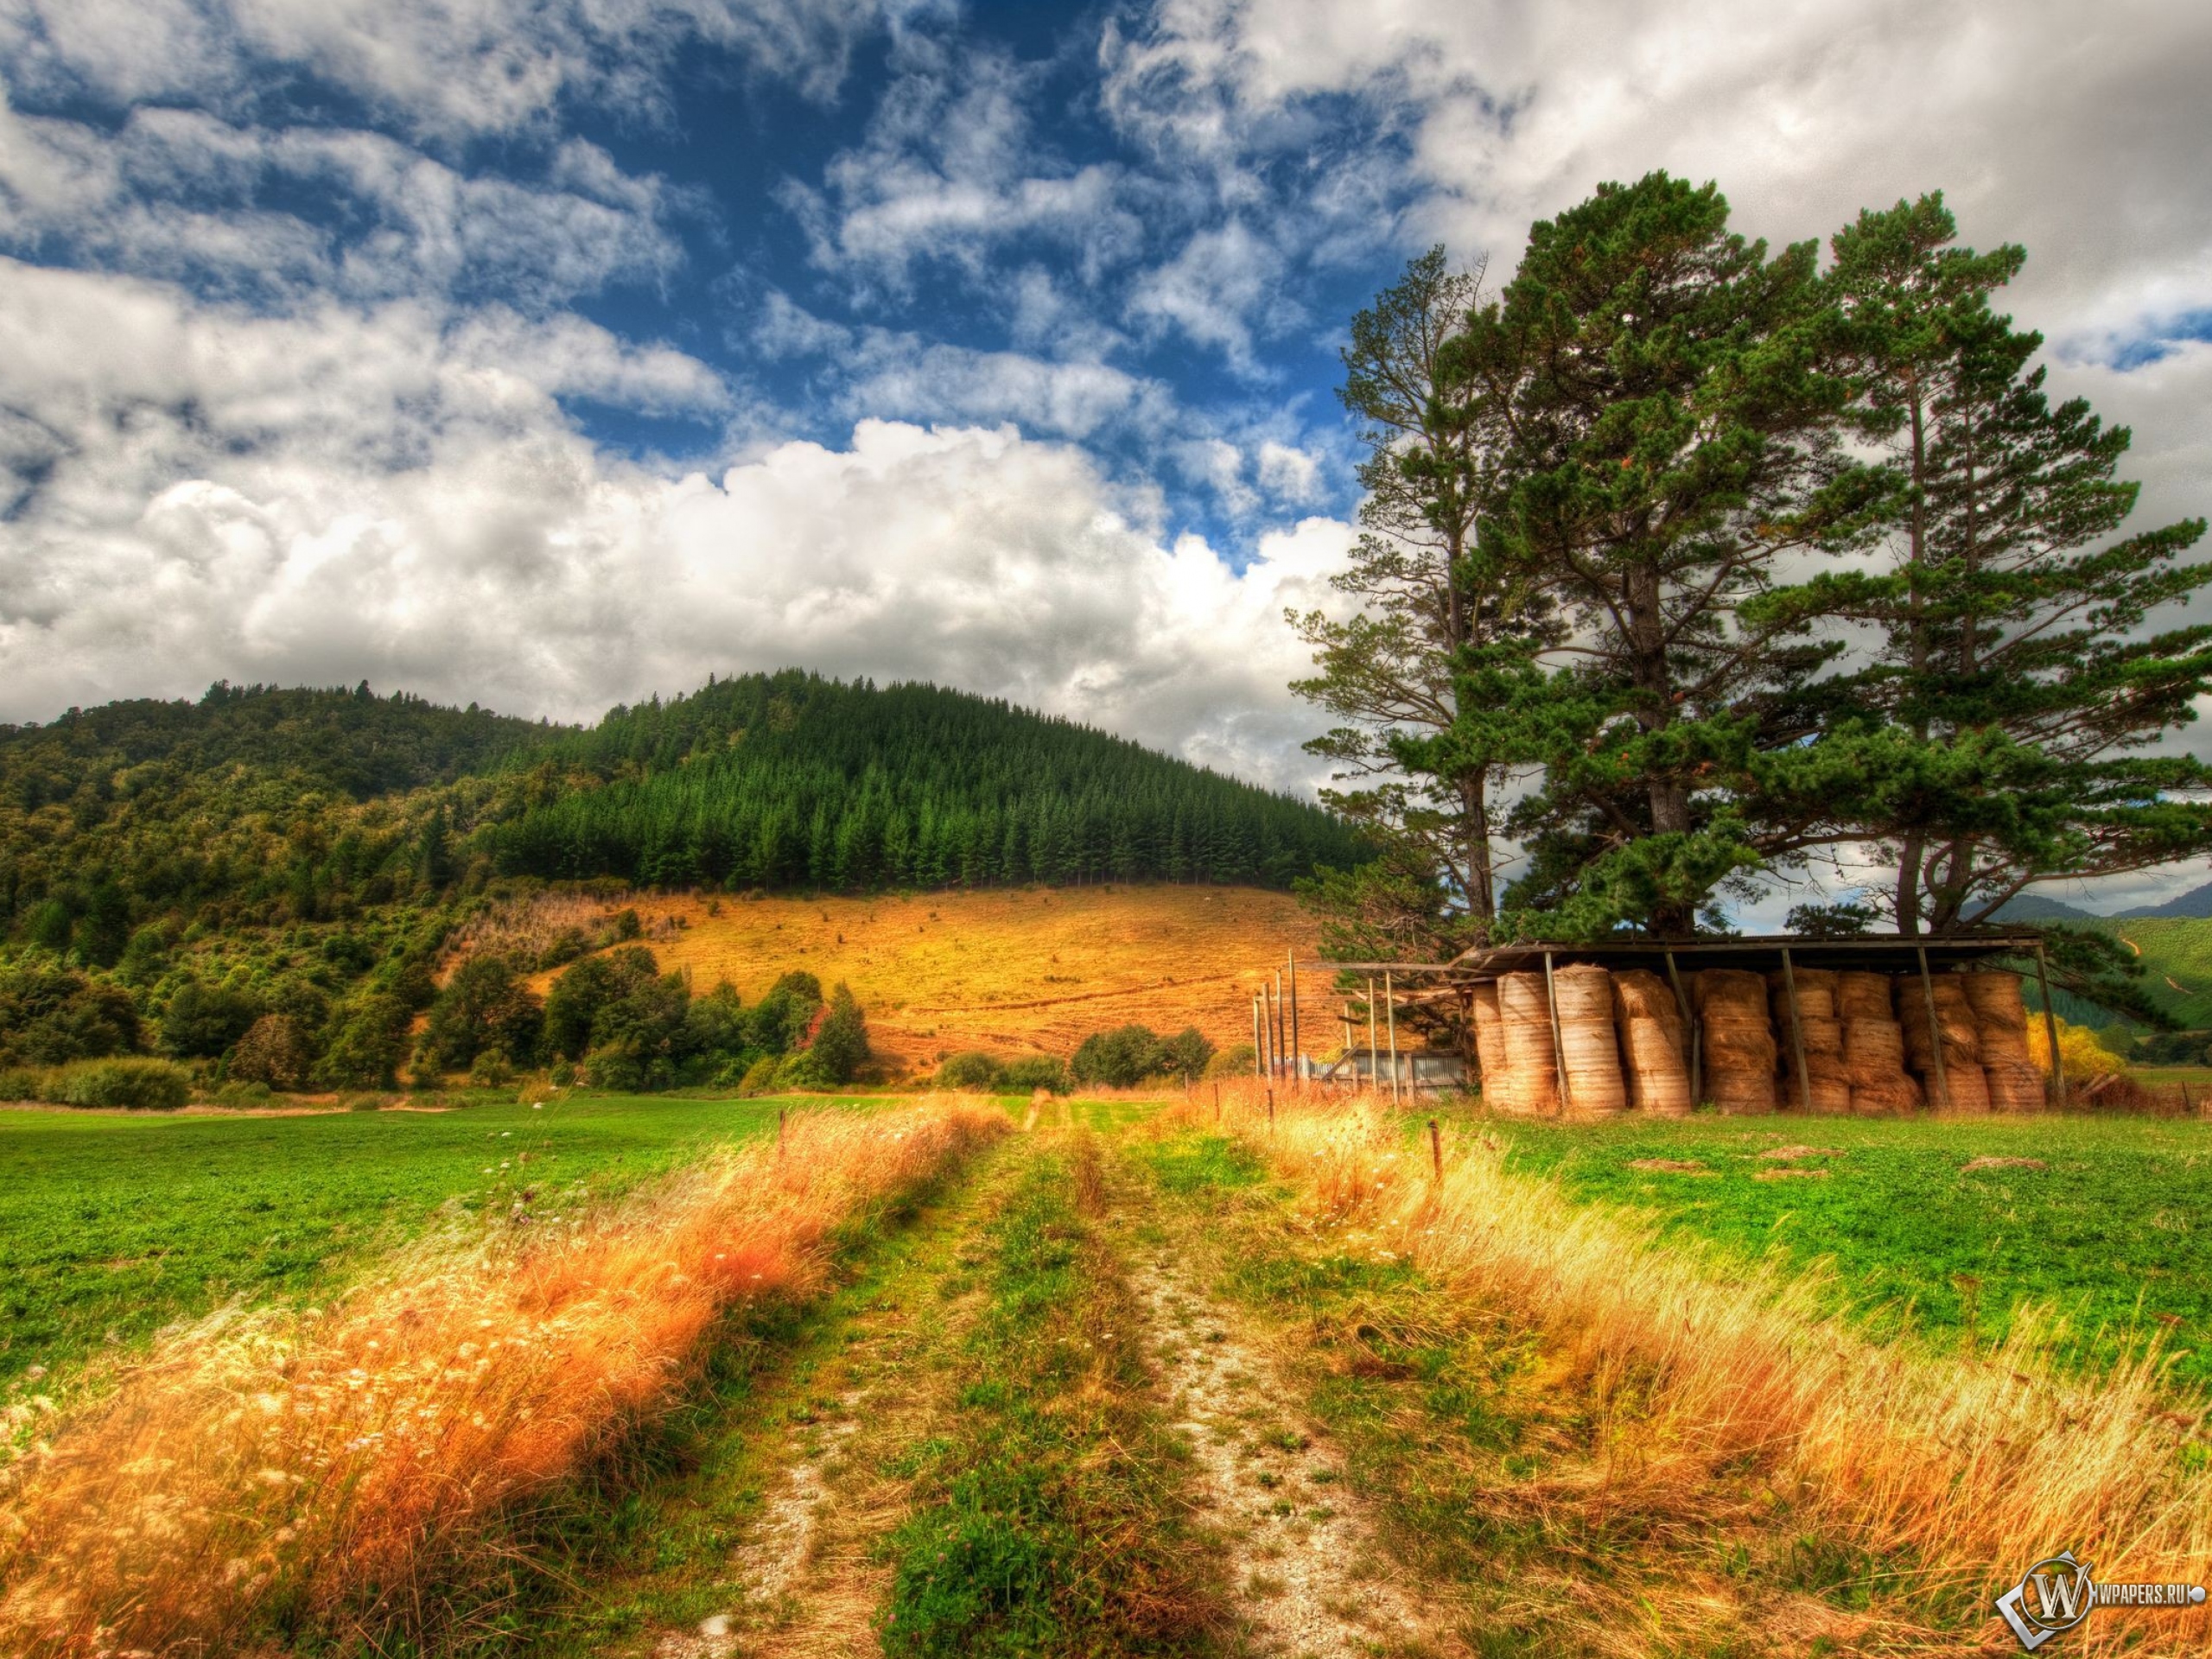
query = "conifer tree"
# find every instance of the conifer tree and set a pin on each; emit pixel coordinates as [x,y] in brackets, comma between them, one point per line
[1997,738]
[1425,594]
[1674,399]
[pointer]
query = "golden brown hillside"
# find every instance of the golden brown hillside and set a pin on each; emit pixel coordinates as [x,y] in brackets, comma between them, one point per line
[1032,970]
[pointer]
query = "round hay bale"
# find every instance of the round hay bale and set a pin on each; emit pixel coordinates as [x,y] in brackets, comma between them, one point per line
[1884,1096]
[1864,997]
[1654,1043]
[1825,1094]
[1524,1013]
[1816,991]
[1738,1040]
[1953,1015]
[1588,1043]
[1823,1039]
[2000,1017]
[2014,1086]
[1968,1085]
[1874,1050]
[1490,1050]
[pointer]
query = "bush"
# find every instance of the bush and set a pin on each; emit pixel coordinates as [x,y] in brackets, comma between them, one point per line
[970,1069]
[1033,1073]
[840,1044]
[274,1052]
[1121,1059]
[1184,1056]
[50,1014]
[761,1076]
[202,1021]
[483,1006]
[370,1041]
[139,1084]
[1234,1062]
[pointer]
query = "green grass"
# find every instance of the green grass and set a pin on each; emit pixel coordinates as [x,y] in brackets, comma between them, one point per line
[2114,1233]
[1048,1520]
[113,1226]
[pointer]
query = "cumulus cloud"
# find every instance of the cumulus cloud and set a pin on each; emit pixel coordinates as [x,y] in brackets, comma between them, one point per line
[395,495]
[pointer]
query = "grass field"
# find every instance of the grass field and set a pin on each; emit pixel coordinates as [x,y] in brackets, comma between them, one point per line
[1029,970]
[113,1225]
[2111,1231]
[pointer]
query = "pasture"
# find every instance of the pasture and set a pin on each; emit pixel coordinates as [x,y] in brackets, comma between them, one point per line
[1015,971]
[112,1225]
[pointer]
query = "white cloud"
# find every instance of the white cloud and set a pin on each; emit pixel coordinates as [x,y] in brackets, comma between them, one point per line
[174,193]
[444,68]
[393,493]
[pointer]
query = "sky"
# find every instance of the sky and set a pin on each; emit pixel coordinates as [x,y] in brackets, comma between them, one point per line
[552,353]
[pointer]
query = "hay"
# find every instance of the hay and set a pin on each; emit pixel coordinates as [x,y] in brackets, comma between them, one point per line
[1864,997]
[1873,1046]
[1826,1085]
[2014,1086]
[1654,1040]
[1490,1050]
[2001,1013]
[1738,1040]
[1588,1043]
[1955,1028]
[1524,1013]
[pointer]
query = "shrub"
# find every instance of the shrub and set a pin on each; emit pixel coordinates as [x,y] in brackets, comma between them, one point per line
[483,1006]
[840,1044]
[1237,1061]
[370,1041]
[139,1084]
[274,1052]
[761,1076]
[50,1014]
[244,1094]
[1184,1055]
[1033,1072]
[1120,1058]
[971,1069]
[202,1021]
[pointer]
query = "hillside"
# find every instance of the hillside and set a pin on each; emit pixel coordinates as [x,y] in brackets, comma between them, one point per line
[1029,970]
[261,806]
[792,780]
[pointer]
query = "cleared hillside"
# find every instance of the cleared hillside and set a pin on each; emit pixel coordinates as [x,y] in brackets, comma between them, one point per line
[1018,971]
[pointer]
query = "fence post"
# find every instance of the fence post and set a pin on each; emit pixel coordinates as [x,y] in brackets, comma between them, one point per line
[1436,1150]
[779,1131]
[1271,1114]
[1390,999]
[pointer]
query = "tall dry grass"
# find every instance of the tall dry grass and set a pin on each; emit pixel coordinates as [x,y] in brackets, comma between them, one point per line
[346,1471]
[1960,1470]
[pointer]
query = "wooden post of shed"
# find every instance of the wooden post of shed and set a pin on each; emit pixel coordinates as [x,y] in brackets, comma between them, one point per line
[2051,1028]
[1374,1069]
[1292,961]
[1797,1031]
[1390,1006]
[1689,1031]
[1935,1027]
[1559,1049]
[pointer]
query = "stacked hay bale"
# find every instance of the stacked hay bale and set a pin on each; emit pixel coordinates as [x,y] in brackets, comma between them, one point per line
[1525,1019]
[1490,1050]
[2000,1019]
[1737,1039]
[1656,1041]
[1955,1029]
[1826,1083]
[1588,1044]
[1873,1046]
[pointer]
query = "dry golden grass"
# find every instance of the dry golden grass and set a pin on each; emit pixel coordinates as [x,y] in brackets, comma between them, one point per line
[346,1470]
[1028,971]
[1968,1469]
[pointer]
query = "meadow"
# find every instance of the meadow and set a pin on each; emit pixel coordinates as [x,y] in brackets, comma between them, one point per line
[1942,1227]
[1024,970]
[113,1225]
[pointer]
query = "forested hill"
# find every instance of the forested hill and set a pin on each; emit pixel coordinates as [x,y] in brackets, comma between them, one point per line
[258,805]
[794,781]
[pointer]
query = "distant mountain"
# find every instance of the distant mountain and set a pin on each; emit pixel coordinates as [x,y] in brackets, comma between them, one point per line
[2196,905]
[2034,908]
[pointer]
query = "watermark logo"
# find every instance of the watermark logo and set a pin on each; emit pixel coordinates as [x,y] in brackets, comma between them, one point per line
[2058,1593]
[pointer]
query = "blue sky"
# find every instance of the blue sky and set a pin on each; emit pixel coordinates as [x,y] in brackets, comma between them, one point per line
[552,352]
